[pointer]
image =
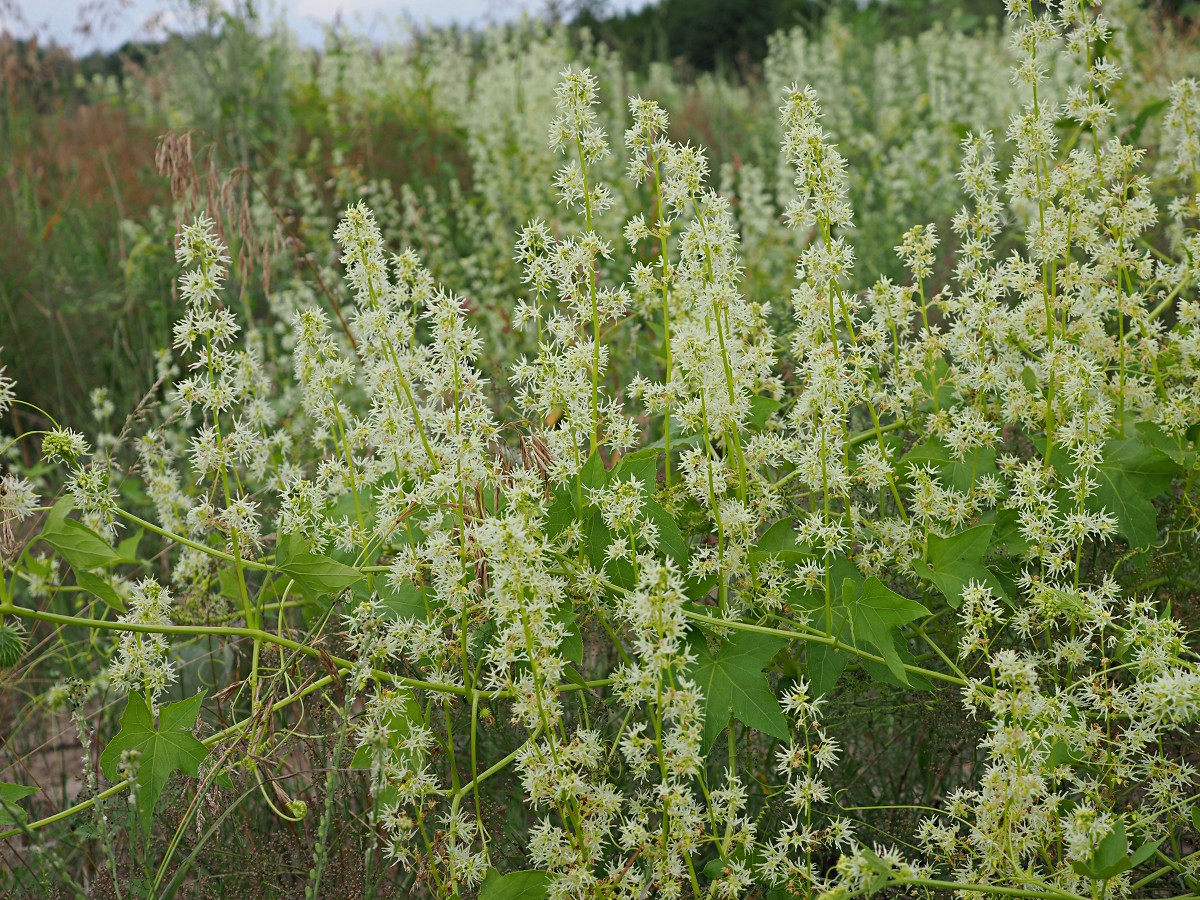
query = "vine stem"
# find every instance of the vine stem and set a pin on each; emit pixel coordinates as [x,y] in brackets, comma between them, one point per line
[230,631]
[269,638]
[195,545]
[487,773]
[816,638]
[808,637]
[936,884]
[209,741]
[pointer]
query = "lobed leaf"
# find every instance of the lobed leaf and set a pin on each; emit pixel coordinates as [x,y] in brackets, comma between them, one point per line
[734,685]
[168,748]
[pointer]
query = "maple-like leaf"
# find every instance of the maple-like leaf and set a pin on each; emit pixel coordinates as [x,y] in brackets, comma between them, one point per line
[316,575]
[956,561]
[1130,476]
[734,685]
[864,614]
[161,751]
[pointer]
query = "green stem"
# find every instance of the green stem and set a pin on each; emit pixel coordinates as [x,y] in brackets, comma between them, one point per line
[1050,894]
[210,741]
[815,638]
[231,631]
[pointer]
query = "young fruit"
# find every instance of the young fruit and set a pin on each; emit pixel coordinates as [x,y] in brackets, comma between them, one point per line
[12,645]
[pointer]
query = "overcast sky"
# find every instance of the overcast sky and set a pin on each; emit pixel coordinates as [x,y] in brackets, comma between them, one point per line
[116,21]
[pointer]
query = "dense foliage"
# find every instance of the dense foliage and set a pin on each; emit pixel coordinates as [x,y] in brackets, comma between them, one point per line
[597,528]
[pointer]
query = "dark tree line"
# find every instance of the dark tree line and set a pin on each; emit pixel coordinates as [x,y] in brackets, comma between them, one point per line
[731,35]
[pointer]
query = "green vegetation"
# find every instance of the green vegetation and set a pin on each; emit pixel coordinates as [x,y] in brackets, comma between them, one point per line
[638,457]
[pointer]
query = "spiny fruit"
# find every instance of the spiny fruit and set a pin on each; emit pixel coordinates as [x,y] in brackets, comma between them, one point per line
[12,645]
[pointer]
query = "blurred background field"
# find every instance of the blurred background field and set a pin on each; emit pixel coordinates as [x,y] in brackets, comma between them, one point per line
[442,131]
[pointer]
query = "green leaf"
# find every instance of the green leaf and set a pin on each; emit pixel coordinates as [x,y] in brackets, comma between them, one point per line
[531,884]
[596,538]
[761,409]
[778,538]
[572,644]
[825,667]
[1112,854]
[734,685]
[864,614]
[679,440]
[956,561]
[94,584]
[670,539]
[1061,754]
[1195,815]
[779,541]
[593,474]
[404,602]
[315,575]
[1111,857]
[161,750]
[288,546]
[873,617]
[36,565]
[825,664]
[347,506]
[1144,852]
[231,588]
[1007,539]
[10,794]
[883,674]
[561,512]
[642,465]
[81,547]
[1131,475]
[571,674]
[698,588]
[960,474]
[1180,451]
[128,548]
